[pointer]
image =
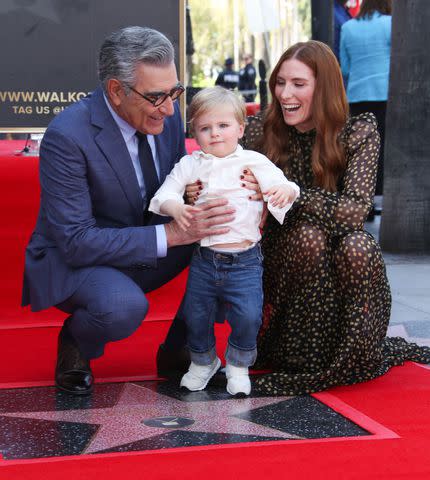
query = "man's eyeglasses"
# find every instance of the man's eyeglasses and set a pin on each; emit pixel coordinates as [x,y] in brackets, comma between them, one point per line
[157,98]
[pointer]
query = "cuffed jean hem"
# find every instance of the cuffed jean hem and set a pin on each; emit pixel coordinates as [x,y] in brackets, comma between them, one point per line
[203,358]
[240,358]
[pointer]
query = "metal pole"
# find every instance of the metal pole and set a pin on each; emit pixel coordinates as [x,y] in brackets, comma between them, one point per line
[323,21]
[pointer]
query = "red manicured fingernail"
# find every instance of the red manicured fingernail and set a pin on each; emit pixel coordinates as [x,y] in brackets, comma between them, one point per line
[197,193]
[242,177]
[243,184]
[200,188]
[245,171]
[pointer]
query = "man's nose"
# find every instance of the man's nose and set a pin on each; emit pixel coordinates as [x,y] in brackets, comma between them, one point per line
[167,107]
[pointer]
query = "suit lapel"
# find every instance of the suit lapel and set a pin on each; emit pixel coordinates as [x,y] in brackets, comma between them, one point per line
[111,142]
[163,154]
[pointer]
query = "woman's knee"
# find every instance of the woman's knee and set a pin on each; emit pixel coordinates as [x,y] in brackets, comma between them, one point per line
[310,242]
[356,250]
[354,257]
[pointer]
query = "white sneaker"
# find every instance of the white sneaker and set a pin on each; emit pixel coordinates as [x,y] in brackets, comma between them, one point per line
[238,381]
[198,376]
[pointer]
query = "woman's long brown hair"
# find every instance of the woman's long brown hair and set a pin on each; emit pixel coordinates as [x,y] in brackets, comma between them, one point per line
[369,7]
[329,114]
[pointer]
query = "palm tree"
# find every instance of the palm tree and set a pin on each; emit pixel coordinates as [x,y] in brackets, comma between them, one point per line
[405,224]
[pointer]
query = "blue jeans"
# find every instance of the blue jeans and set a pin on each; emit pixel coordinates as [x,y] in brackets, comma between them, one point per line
[233,280]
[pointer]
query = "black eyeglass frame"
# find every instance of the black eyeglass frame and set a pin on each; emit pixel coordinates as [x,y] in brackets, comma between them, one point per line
[161,97]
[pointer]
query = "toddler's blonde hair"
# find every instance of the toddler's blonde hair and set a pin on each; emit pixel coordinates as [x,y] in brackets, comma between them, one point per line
[212,98]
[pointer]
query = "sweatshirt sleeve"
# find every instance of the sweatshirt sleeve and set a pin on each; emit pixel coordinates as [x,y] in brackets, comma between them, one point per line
[173,187]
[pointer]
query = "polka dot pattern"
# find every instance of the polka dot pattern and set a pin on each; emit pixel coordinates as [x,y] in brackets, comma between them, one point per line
[327,298]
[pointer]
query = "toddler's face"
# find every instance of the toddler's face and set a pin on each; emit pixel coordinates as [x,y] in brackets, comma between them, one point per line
[218,132]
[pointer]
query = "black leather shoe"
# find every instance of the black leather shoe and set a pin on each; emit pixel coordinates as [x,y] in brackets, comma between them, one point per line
[172,363]
[73,372]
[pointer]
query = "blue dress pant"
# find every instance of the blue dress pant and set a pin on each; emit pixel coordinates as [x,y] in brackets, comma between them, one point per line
[111,303]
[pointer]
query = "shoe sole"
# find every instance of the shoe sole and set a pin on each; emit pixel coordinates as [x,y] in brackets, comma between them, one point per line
[238,394]
[216,368]
[73,392]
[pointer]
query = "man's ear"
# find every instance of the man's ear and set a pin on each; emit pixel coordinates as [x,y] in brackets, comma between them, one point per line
[115,91]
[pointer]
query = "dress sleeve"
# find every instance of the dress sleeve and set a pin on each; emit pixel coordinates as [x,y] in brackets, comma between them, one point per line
[344,211]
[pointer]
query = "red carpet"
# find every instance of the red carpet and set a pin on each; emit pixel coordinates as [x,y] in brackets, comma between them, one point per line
[399,402]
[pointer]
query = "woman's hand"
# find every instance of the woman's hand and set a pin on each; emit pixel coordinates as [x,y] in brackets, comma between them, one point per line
[263,216]
[250,182]
[192,192]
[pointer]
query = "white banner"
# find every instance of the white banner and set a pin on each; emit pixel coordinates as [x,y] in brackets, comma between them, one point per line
[262,15]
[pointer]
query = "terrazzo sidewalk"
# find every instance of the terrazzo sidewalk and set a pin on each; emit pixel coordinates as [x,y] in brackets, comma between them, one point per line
[409,277]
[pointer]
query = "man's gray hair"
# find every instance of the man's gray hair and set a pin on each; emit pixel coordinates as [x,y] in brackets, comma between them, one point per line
[123,50]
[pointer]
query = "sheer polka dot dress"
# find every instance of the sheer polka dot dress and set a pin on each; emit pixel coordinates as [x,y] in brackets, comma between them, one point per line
[327,299]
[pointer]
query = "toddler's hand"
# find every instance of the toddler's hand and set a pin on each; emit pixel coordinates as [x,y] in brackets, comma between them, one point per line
[281,195]
[184,214]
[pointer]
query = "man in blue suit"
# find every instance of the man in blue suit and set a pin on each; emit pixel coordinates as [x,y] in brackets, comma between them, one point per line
[95,249]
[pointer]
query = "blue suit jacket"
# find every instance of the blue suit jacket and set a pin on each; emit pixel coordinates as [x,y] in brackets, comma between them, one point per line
[365,46]
[91,210]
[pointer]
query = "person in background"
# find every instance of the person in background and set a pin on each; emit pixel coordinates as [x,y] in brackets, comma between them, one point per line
[96,250]
[228,78]
[341,15]
[247,76]
[365,47]
[225,269]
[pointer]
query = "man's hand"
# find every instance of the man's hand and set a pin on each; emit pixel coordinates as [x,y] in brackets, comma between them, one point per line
[206,222]
[281,195]
[183,214]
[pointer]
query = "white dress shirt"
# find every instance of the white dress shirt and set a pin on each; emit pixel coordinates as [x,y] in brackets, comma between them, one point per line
[220,177]
[129,135]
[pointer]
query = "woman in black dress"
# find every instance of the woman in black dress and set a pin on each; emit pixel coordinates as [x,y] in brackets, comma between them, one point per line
[327,298]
